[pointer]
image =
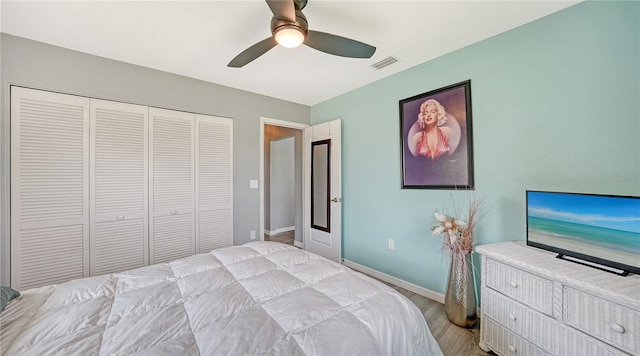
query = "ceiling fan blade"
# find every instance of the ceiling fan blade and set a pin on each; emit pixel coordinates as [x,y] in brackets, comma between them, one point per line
[339,46]
[283,9]
[253,52]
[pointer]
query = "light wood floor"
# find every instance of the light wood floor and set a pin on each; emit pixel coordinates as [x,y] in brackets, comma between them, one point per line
[453,340]
[285,237]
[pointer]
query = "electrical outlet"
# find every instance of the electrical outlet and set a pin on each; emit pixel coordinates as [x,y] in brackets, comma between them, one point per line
[391,244]
[253,234]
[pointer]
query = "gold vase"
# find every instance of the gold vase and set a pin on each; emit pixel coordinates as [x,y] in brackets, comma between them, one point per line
[460,298]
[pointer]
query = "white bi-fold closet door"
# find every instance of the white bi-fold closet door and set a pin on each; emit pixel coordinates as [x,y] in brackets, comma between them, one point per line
[172,185]
[100,186]
[49,188]
[118,186]
[190,184]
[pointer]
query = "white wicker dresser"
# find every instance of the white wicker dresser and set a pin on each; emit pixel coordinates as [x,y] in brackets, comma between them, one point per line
[536,304]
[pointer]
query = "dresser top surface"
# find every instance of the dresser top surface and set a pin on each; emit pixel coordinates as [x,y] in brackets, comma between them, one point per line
[546,264]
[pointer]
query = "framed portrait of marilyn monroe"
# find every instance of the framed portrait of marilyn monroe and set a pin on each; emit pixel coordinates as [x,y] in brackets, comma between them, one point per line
[436,139]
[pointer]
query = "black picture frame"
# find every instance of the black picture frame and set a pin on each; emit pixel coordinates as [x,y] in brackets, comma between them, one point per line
[436,139]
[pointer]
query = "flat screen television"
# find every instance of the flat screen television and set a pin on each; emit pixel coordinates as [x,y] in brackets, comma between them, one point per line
[601,231]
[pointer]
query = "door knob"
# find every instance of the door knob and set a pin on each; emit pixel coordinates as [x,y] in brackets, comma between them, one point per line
[336,200]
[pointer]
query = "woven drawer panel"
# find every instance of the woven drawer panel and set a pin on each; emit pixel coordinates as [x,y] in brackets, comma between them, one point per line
[524,287]
[600,318]
[504,342]
[626,290]
[543,331]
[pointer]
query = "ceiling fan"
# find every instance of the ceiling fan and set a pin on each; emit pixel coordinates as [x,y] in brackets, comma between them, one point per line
[289,28]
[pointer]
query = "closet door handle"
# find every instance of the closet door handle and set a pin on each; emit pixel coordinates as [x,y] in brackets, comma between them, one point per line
[174,212]
[513,284]
[512,317]
[120,217]
[617,328]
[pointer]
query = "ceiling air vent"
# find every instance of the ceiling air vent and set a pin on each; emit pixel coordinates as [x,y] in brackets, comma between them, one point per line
[383,63]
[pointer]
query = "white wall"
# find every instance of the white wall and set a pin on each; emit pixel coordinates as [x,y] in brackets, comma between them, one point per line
[282,180]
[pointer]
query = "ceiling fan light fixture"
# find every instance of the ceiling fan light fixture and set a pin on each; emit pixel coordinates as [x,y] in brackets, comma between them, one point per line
[289,36]
[290,28]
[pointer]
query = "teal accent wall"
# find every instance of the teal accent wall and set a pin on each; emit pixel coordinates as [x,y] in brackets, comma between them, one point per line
[556,106]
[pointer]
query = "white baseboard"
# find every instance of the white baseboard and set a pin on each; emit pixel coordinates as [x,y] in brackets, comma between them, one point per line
[298,244]
[427,293]
[279,231]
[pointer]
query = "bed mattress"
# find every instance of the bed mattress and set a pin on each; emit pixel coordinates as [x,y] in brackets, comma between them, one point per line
[261,298]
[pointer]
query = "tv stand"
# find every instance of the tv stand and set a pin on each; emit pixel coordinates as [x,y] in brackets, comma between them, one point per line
[536,304]
[619,272]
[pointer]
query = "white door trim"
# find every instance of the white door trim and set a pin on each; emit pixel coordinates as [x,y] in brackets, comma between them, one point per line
[283,123]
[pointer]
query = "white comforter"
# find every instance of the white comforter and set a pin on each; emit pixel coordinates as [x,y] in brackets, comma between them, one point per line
[261,298]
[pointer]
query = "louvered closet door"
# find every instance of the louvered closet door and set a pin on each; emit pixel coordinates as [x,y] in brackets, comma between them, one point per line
[214,182]
[49,188]
[119,198]
[171,185]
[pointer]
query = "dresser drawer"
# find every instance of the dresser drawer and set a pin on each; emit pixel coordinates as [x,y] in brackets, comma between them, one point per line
[606,320]
[547,333]
[506,343]
[524,287]
[518,318]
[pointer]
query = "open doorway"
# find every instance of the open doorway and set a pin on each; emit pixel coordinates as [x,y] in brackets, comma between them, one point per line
[280,186]
[281,171]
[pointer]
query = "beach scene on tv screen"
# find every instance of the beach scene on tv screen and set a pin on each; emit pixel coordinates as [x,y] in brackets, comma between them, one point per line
[605,227]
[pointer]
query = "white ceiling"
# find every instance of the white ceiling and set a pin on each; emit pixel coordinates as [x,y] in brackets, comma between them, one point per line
[198,38]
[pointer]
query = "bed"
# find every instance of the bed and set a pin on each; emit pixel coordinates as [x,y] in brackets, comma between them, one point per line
[261,298]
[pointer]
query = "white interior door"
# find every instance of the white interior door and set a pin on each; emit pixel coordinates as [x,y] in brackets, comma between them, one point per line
[323,210]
